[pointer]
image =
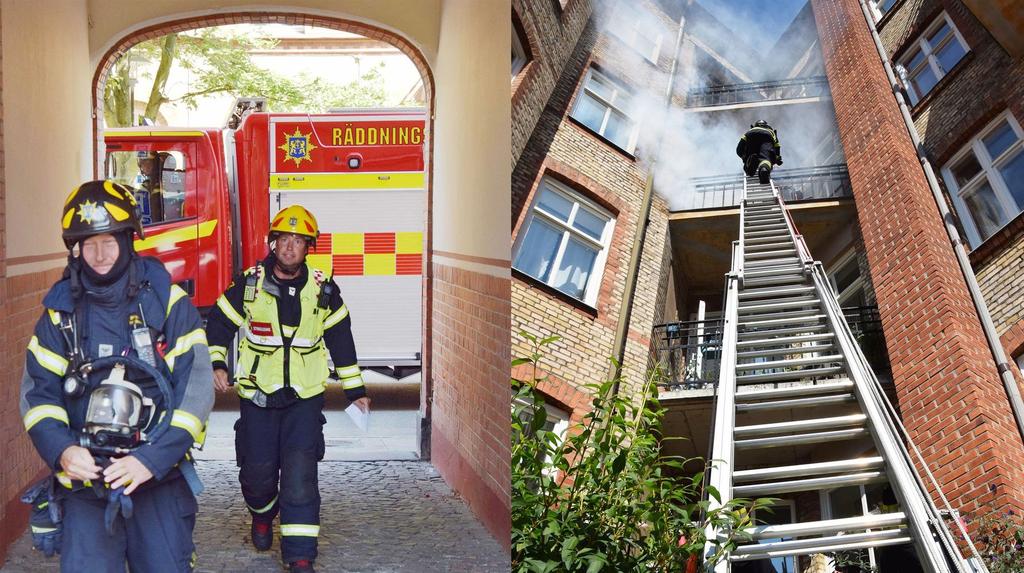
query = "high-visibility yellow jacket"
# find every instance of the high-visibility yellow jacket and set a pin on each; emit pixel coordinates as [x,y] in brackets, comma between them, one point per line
[273,355]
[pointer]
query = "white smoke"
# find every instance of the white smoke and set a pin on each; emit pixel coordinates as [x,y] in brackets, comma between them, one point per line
[699,144]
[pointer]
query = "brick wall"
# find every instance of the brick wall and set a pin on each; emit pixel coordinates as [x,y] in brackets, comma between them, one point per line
[21,296]
[986,82]
[549,33]
[951,397]
[563,149]
[470,424]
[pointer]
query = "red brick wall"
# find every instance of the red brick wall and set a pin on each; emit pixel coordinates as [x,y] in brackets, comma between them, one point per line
[952,399]
[21,296]
[470,441]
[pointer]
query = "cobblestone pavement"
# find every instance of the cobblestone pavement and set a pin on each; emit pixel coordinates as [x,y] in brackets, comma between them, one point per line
[376,517]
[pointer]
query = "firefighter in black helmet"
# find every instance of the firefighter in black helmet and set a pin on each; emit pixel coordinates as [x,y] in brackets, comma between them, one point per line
[110,416]
[760,150]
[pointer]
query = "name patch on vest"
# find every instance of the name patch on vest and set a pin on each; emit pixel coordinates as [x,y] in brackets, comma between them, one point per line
[261,328]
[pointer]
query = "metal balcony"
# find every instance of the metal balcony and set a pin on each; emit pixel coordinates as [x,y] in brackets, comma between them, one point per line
[689,352]
[796,90]
[802,184]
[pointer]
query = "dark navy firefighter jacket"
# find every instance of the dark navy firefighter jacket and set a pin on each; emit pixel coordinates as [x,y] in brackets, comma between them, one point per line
[54,420]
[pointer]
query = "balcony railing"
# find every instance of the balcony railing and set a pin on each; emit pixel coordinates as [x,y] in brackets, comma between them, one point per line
[758,92]
[689,353]
[801,184]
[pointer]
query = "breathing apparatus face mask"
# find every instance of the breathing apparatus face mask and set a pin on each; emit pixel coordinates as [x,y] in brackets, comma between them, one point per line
[116,416]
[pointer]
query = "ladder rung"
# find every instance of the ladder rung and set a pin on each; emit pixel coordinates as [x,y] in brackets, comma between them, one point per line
[764,226]
[773,364]
[779,303]
[763,216]
[814,424]
[809,484]
[758,247]
[778,291]
[796,440]
[778,272]
[789,375]
[791,318]
[773,233]
[820,545]
[771,263]
[813,401]
[825,527]
[766,240]
[768,254]
[791,330]
[800,470]
[785,351]
[789,279]
[784,340]
[791,391]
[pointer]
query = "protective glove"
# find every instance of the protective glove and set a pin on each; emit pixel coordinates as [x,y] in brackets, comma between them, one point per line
[779,162]
[45,521]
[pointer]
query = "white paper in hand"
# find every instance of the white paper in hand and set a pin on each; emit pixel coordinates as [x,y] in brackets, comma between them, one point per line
[359,418]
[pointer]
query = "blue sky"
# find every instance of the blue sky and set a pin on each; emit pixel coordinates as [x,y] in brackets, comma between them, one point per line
[760,22]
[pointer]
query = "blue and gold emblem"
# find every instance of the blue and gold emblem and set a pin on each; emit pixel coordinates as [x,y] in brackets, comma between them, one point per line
[297,147]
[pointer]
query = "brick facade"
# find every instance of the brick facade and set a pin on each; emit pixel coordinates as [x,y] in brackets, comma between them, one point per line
[948,388]
[562,149]
[470,428]
[549,33]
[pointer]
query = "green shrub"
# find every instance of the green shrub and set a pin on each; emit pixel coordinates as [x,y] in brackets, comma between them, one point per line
[605,499]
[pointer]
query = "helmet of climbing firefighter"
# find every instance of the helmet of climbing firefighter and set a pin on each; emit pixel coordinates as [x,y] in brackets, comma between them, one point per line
[294,219]
[760,123]
[99,207]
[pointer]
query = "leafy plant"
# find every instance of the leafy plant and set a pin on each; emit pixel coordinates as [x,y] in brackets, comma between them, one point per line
[999,538]
[604,498]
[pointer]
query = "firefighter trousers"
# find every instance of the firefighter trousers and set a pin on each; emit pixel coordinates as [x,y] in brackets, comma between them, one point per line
[157,538]
[278,450]
[766,154]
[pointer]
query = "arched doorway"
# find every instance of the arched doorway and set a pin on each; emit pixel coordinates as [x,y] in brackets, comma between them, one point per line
[188,22]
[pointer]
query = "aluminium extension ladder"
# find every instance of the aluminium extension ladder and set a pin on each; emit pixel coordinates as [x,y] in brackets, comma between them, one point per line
[788,354]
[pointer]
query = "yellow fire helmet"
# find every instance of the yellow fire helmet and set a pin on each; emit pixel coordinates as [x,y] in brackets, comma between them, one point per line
[98,207]
[294,219]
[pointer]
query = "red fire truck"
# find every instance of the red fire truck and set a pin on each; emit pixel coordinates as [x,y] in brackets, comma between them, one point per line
[207,196]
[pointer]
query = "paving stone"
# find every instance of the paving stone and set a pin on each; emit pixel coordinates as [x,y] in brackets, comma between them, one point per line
[376,517]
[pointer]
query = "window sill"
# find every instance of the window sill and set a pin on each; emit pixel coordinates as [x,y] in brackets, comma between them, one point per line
[947,79]
[602,138]
[888,15]
[995,243]
[576,303]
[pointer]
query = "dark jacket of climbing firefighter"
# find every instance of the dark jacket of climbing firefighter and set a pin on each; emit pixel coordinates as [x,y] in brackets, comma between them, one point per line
[759,146]
[289,326]
[132,311]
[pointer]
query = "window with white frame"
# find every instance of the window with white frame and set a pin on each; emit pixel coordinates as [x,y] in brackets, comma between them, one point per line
[556,421]
[847,281]
[881,7]
[519,57]
[986,179]
[638,29]
[604,106]
[565,242]
[934,54]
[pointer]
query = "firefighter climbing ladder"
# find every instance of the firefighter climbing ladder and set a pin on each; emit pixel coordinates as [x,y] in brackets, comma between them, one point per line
[788,354]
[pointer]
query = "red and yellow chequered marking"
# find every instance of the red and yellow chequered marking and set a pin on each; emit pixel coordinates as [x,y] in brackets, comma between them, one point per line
[369,254]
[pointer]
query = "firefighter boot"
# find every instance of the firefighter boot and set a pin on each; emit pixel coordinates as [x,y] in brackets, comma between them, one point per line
[262,534]
[301,566]
[764,173]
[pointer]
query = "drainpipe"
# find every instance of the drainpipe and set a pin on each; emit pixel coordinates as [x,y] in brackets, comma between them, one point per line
[626,310]
[1004,368]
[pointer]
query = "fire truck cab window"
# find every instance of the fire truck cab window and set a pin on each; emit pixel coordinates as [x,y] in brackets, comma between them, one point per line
[159,181]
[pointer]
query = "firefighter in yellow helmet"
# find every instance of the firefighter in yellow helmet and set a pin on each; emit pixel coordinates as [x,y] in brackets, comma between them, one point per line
[292,317]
